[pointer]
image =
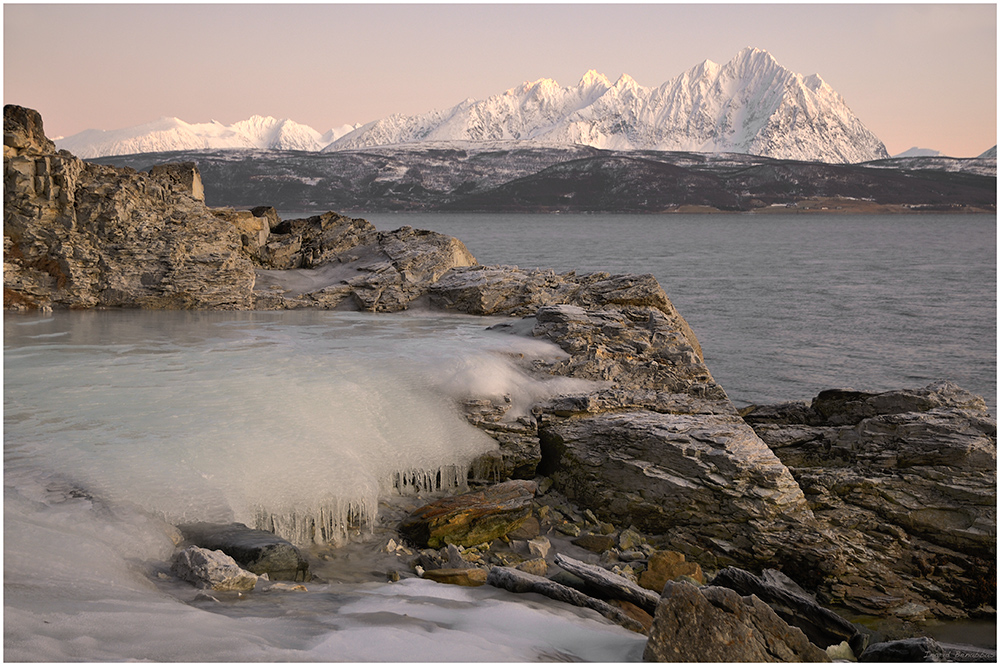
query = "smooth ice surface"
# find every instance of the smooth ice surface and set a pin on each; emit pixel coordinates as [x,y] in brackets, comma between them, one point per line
[292,422]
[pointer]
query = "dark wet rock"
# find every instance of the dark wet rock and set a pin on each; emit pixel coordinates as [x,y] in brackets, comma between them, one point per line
[716,624]
[471,518]
[607,585]
[257,551]
[212,569]
[520,582]
[821,626]
[908,650]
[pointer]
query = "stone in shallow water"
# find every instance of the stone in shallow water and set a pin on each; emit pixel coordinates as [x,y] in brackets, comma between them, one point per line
[212,569]
[910,650]
[255,550]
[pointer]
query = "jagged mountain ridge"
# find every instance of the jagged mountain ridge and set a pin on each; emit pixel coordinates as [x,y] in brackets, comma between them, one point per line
[749,105]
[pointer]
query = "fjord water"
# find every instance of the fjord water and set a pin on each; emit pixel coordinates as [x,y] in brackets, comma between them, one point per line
[785,305]
[116,423]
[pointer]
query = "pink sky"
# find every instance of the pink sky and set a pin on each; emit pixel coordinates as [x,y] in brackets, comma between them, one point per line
[916,74]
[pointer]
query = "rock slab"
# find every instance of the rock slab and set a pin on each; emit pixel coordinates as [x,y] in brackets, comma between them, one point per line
[716,624]
[823,627]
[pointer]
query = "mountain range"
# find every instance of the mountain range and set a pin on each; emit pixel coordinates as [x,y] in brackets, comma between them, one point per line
[750,105]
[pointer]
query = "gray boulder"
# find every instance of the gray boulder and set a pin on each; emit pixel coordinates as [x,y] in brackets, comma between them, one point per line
[212,569]
[521,582]
[257,551]
[609,585]
[716,624]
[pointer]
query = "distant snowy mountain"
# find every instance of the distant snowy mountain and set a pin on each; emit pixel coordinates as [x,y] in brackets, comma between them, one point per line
[750,105]
[919,152]
[989,154]
[170,134]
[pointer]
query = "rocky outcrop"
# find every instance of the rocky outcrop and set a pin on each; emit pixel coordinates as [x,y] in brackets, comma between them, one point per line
[81,235]
[823,627]
[717,624]
[84,235]
[908,479]
[334,262]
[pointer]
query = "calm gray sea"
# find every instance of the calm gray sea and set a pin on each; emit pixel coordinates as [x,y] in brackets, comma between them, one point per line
[785,305]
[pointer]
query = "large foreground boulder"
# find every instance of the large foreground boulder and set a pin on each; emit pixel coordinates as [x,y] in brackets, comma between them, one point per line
[716,624]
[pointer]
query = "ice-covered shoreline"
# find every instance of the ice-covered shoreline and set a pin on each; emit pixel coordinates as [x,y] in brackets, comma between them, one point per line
[653,441]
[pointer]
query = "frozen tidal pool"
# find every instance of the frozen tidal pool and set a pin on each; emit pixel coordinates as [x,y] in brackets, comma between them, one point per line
[117,424]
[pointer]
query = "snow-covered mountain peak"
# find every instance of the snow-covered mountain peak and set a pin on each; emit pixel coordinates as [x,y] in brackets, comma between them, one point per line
[753,58]
[750,104]
[626,81]
[816,83]
[594,78]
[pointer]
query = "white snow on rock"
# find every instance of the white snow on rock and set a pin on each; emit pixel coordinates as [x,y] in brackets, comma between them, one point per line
[749,105]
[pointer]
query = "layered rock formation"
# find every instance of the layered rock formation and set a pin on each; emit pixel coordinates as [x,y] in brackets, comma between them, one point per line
[907,481]
[84,235]
[743,629]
